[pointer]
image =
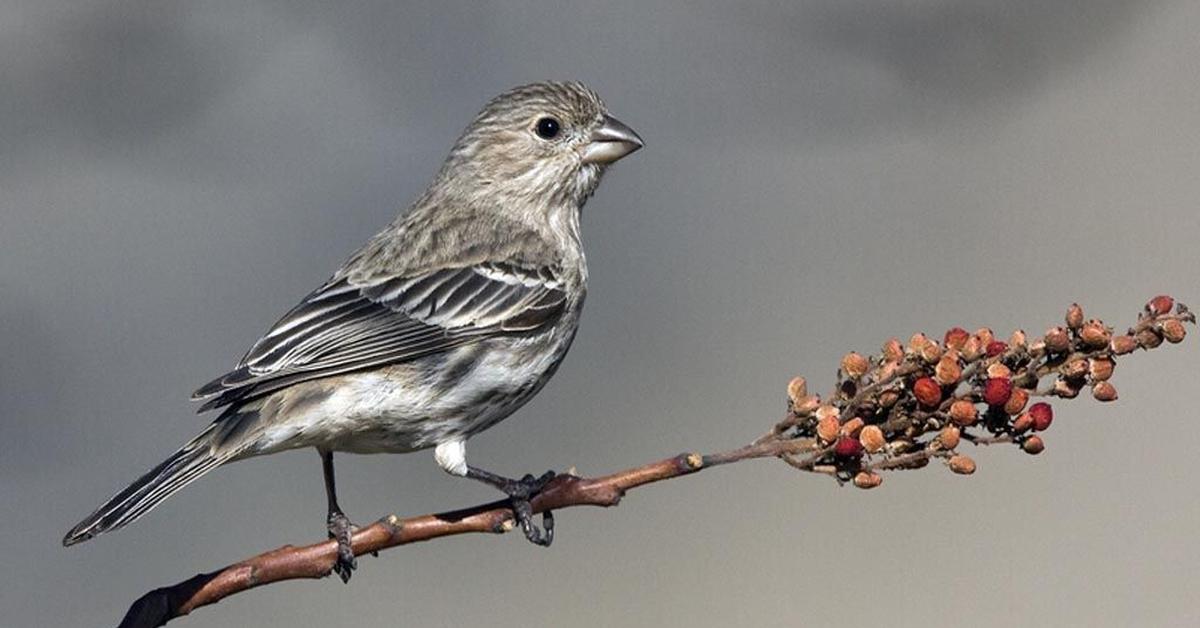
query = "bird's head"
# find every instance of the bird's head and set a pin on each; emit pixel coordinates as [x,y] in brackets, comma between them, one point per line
[542,145]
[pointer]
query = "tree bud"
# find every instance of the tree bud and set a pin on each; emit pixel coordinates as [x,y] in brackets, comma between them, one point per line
[949,436]
[872,438]
[931,351]
[972,349]
[1173,331]
[866,479]
[963,412]
[998,369]
[1104,391]
[893,351]
[947,371]
[1094,334]
[1033,445]
[955,338]
[1149,338]
[1101,368]
[915,342]
[1074,316]
[807,405]
[828,429]
[797,389]
[1016,402]
[1122,345]
[854,365]
[1074,369]
[962,465]
[852,427]
[1057,340]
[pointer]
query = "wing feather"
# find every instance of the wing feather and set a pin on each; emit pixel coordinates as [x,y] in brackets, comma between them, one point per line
[343,327]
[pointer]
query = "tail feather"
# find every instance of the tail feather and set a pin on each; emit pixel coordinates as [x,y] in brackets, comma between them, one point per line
[192,460]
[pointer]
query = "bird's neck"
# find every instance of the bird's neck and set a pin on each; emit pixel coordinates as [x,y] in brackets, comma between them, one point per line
[563,221]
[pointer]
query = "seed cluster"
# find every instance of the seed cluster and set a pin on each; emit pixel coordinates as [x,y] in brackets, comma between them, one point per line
[919,401]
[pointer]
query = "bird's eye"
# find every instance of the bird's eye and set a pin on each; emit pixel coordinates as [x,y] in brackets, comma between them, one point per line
[547,128]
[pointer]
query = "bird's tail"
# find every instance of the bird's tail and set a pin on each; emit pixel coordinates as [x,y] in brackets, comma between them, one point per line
[199,456]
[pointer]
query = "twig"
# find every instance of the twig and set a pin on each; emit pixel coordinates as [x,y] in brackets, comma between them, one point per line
[161,605]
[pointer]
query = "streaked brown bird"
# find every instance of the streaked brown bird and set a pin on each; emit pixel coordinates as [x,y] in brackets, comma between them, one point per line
[442,325]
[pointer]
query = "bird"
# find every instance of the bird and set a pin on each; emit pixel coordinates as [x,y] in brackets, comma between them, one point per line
[443,324]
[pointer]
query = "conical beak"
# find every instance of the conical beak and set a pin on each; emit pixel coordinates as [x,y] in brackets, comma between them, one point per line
[610,142]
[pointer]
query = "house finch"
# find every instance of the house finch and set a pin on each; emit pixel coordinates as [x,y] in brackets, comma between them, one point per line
[442,325]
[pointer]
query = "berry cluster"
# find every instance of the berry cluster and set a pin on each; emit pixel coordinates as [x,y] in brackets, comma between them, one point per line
[918,401]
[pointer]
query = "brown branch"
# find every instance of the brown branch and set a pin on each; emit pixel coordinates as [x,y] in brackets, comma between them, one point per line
[289,562]
[895,412]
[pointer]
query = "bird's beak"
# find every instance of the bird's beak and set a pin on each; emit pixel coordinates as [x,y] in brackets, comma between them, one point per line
[611,141]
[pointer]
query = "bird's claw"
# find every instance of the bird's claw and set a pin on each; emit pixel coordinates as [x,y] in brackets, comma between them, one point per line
[520,492]
[340,530]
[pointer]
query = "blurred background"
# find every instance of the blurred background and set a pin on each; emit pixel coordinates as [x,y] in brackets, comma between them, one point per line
[818,176]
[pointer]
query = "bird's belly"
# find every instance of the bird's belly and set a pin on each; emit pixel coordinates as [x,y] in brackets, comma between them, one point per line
[419,404]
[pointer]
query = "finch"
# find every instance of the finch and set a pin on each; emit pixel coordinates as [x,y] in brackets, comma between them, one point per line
[443,324]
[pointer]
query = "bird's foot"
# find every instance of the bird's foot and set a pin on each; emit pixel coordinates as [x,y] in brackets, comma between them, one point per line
[520,492]
[340,529]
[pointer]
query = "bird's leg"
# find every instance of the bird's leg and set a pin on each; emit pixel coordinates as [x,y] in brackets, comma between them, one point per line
[337,522]
[519,492]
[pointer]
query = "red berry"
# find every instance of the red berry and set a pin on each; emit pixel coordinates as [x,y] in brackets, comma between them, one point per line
[1160,305]
[927,391]
[1042,415]
[996,347]
[848,447]
[997,390]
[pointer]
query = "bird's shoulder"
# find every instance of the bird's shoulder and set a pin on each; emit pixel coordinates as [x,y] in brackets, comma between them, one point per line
[433,238]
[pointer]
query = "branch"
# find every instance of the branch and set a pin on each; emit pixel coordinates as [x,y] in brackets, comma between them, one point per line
[159,606]
[894,412]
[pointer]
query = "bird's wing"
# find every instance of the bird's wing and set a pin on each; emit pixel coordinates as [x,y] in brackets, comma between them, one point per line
[344,326]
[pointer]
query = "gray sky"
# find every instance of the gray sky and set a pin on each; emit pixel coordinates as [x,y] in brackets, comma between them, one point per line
[818,176]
